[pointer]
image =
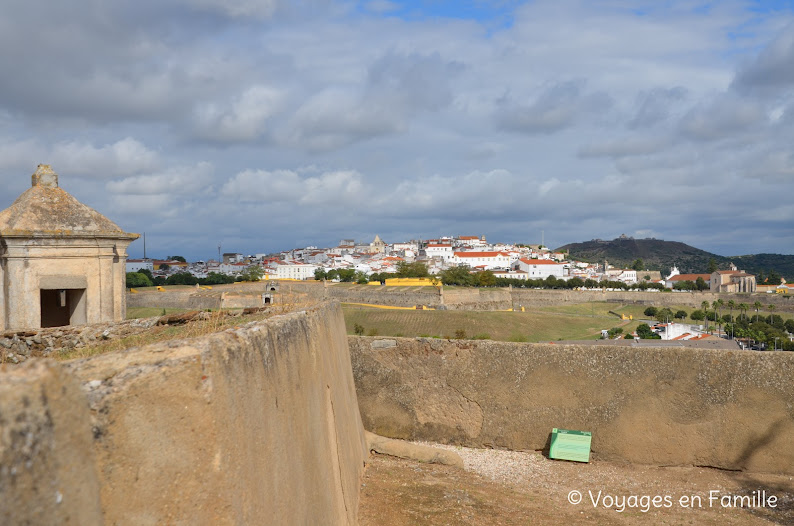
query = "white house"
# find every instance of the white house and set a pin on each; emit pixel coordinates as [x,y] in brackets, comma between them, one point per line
[482,260]
[439,251]
[540,268]
[294,270]
[136,265]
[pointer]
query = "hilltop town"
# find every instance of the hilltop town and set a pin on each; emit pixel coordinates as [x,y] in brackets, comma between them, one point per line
[493,263]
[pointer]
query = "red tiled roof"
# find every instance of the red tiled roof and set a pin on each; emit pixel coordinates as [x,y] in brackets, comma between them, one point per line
[689,277]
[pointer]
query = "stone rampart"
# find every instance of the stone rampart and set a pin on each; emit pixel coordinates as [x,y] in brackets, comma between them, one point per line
[663,406]
[257,425]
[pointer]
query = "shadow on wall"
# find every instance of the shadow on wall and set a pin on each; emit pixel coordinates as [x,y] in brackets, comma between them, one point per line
[250,426]
[645,405]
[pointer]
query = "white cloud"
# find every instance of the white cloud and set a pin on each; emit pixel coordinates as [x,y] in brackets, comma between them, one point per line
[244,118]
[124,157]
[175,181]
[282,186]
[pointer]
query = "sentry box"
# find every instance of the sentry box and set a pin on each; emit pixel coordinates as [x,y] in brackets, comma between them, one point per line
[572,445]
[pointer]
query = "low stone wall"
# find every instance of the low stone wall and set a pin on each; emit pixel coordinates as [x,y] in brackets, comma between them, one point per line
[663,406]
[18,346]
[258,425]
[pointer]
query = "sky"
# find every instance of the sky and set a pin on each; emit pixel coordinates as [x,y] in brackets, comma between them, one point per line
[265,125]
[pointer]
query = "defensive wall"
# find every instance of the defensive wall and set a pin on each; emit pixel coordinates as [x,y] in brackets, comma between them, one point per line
[257,425]
[457,298]
[663,406]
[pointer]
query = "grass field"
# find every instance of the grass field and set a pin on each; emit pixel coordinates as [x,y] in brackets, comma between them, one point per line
[572,322]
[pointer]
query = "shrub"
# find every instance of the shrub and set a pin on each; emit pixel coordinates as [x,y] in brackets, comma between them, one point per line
[481,336]
[358,329]
[460,334]
[680,315]
[651,311]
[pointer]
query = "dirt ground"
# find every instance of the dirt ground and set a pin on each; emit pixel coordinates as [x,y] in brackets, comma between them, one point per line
[492,491]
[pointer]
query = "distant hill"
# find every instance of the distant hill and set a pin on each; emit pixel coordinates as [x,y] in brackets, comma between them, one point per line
[658,254]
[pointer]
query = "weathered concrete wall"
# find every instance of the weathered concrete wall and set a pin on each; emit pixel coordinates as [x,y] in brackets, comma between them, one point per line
[47,468]
[258,425]
[455,298]
[727,409]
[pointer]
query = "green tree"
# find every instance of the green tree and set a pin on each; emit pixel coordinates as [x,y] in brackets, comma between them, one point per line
[700,284]
[638,265]
[177,258]
[320,274]
[757,305]
[664,315]
[486,278]
[743,309]
[164,266]
[181,278]
[697,315]
[362,278]
[731,306]
[651,311]
[712,266]
[252,273]
[459,275]
[680,315]
[773,279]
[644,332]
[789,324]
[417,269]
[138,279]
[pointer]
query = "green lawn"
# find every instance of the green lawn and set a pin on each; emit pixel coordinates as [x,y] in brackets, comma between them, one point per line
[533,326]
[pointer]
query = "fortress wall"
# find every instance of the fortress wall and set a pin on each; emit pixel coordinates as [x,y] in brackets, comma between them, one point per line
[249,426]
[48,473]
[393,296]
[545,298]
[662,406]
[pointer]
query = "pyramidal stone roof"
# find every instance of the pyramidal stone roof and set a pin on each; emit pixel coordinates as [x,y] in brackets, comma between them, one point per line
[46,210]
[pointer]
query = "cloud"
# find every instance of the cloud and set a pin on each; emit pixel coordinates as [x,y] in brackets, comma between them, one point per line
[124,157]
[262,9]
[625,147]
[655,106]
[559,106]
[174,181]
[244,118]
[772,68]
[397,87]
[722,117]
[337,187]
[382,6]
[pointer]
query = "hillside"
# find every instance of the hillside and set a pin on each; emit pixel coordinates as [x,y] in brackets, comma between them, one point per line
[658,254]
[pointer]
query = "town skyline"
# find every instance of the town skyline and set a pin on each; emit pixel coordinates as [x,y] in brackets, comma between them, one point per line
[275,124]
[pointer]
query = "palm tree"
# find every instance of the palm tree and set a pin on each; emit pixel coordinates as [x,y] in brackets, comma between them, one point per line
[731,305]
[757,306]
[716,305]
[743,307]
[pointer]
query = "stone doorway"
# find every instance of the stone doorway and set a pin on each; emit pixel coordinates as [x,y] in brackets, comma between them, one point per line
[60,307]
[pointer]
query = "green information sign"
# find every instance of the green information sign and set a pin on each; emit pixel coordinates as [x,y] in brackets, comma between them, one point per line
[570,445]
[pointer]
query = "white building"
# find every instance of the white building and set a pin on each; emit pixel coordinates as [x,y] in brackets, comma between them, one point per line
[439,251]
[294,270]
[482,260]
[540,268]
[136,265]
